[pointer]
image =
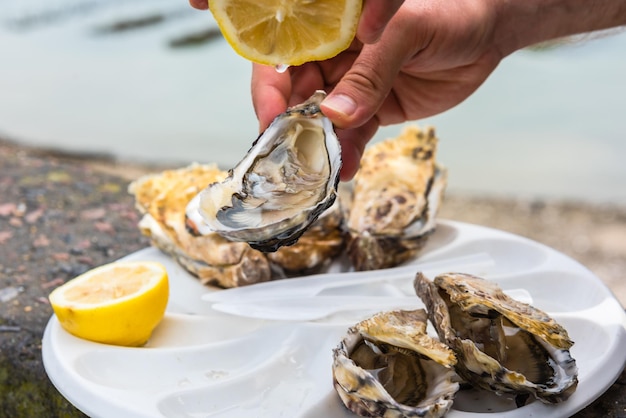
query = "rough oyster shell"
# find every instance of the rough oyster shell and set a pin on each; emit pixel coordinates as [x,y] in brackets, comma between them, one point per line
[501,344]
[282,185]
[388,366]
[397,193]
[162,199]
[322,242]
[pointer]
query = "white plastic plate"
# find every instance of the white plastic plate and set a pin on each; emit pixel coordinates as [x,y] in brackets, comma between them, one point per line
[203,363]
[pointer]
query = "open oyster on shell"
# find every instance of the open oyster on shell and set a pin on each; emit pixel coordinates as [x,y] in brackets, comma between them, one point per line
[318,246]
[162,199]
[388,366]
[397,193]
[501,344]
[285,182]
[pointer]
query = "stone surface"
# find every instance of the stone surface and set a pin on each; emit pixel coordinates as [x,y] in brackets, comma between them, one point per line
[60,217]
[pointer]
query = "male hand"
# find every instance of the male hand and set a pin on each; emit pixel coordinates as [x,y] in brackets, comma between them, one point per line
[431,55]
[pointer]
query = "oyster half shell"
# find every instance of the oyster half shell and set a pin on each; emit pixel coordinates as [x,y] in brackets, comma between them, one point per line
[162,199]
[322,243]
[396,197]
[388,366]
[282,185]
[501,344]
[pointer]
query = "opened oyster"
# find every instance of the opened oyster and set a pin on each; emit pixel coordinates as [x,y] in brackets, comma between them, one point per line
[397,193]
[388,366]
[322,242]
[162,199]
[282,185]
[501,344]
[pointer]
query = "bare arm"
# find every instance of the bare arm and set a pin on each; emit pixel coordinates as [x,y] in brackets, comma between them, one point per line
[521,23]
[418,58]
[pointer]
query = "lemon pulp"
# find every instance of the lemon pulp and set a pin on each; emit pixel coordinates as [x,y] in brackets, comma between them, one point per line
[119,303]
[287,32]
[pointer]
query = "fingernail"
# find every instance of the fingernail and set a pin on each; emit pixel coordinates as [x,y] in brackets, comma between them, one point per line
[340,103]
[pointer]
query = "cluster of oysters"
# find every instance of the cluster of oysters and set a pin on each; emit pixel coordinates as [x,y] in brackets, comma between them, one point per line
[277,213]
[388,366]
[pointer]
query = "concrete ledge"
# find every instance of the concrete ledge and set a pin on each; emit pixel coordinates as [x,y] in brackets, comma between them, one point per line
[60,217]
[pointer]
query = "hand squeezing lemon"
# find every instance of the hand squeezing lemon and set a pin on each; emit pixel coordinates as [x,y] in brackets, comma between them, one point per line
[119,303]
[287,32]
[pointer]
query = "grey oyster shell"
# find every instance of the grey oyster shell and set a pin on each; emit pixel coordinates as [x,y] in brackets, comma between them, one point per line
[388,366]
[316,249]
[502,345]
[287,179]
[397,193]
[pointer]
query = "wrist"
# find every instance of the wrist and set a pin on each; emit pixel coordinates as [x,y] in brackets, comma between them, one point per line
[521,23]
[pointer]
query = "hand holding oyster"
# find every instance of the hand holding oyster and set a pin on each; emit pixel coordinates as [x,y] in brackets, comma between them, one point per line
[281,200]
[287,179]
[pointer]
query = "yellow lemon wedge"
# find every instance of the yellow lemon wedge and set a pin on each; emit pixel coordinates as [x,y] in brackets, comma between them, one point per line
[118,303]
[287,32]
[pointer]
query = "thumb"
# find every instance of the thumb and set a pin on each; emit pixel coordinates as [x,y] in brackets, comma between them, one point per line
[364,87]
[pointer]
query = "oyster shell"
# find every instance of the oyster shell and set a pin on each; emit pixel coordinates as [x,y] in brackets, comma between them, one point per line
[322,242]
[501,344]
[162,199]
[388,366]
[282,185]
[397,193]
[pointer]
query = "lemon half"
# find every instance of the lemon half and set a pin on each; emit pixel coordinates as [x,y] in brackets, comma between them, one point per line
[287,32]
[118,303]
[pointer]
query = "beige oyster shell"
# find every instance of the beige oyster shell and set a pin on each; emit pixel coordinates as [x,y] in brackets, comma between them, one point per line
[501,344]
[320,244]
[285,182]
[162,199]
[388,366]
[397,193]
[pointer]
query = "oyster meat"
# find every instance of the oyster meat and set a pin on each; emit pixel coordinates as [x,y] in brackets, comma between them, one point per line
[396,196]
[285,182]
[501,344]
[162,199]
[388,366]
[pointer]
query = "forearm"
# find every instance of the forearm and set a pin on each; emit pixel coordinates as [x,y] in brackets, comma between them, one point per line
[526,22]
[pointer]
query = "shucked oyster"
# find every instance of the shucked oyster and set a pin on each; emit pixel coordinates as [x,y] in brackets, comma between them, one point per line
[322,242]
[388,366]
[162,199]
[397,193]
[285,181]
[501,344]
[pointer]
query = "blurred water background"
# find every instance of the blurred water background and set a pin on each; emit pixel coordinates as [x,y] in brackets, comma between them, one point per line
[152,81]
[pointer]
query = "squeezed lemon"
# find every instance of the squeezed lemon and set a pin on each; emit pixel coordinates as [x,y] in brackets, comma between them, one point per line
[287,32]
[118,303]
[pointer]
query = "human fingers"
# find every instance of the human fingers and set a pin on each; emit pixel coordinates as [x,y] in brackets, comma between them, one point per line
[199,4]
[365,86]
[353,143]
[305,79]
[271,92]
[374,17]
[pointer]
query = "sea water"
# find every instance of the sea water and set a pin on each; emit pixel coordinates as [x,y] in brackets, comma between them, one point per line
[547,123]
